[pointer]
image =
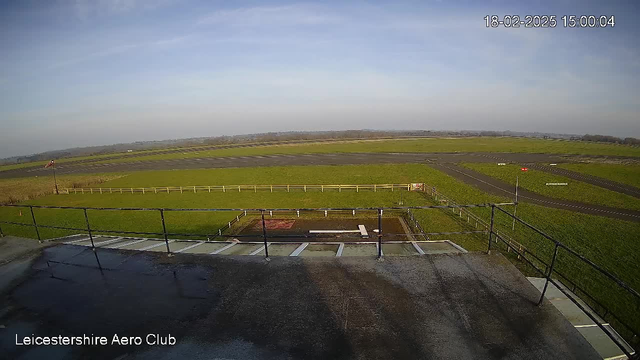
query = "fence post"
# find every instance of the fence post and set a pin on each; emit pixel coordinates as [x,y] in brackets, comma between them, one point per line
[546,283]
[264,235]
[86,218]
[271,186]
[164,231]
[35,224]
[255,188]
[194,189]
[379,233]
[1,233]
[493,210]
[322,188]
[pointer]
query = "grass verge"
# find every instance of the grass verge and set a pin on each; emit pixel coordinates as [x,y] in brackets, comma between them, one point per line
[536,181]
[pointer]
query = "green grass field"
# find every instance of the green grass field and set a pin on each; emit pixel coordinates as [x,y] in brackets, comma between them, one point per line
[535,181]
[431,145]
[435,145]
[622,173]
[608,242]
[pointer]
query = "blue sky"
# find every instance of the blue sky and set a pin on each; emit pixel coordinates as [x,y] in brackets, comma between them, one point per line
[80,73]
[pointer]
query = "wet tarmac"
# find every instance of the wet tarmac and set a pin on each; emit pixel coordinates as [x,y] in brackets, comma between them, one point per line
[244,307]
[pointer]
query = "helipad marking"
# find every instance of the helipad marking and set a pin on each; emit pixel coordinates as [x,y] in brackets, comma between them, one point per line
[363,231]
[190,247]
[418,248]
[300,249]
[222,249]
[156,245]
[261,248]
[340,248]
[127,244]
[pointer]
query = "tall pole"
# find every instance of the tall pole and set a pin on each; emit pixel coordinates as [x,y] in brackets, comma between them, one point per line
[54,177]
[515,207]
[264,236]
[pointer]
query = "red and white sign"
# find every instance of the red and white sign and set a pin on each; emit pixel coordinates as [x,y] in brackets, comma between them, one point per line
[51,163]
[524,169]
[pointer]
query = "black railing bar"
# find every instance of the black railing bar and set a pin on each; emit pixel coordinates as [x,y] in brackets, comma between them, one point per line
[593,318]
[258,209]
[578,287]
[528,225]
[603,271]
[608,311]
[522,255]
[573,252]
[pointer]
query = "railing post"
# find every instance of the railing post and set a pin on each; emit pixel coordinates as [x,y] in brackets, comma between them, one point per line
[493,211]
[1,233]
[86,218]
[379,233]
[264,235]
[35,224]
[164,231]
[546,283]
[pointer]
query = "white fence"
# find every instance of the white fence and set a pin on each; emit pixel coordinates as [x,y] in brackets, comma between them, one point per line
[252,188]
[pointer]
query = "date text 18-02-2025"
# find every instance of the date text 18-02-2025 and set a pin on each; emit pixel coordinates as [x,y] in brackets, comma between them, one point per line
[550,21]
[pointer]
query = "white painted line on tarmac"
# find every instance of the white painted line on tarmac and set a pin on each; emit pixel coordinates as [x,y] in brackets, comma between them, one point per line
[418,248]
[127,244]
[222,249]
[340,248]
[107,242]
[190,247]
[456,246]
[300,249]
[156,245]
[589,325]
[75,241]
[261,248]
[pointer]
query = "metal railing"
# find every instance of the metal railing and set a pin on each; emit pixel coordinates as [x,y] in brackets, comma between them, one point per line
[494,237]
[548,273]
[239,188]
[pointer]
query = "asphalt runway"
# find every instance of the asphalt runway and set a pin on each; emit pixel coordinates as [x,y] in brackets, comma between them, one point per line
[498,187]
[442,161]
[281,160]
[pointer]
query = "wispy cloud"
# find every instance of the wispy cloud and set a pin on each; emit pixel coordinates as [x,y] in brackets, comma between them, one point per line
[269,16]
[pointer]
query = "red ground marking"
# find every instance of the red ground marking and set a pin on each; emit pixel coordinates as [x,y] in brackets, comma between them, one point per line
[275,224]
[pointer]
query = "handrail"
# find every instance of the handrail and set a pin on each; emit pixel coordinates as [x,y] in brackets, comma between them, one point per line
[241,187]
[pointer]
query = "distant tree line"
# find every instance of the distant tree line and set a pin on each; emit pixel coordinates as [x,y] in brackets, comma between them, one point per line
[611,139]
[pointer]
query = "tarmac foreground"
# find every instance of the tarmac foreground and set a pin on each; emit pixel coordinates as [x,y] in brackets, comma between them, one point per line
[461,306]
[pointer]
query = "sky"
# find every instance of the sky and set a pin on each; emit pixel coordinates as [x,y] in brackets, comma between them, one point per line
[98,72]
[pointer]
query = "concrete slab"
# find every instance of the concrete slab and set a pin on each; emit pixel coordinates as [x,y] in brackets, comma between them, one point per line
[438,248]
[320,250]
[96,239]
[241,249]
[280,249]
[179,245]
[206,248]
[463,306]
[406,249]
[139,246]
[360,250]
[601,342]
